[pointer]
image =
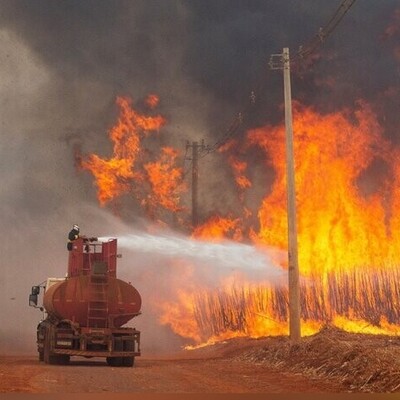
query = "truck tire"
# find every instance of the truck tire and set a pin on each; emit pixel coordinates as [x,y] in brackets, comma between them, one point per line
[62,359]
[128,361]
[116,361]
[113,361]
[49,358]
[46,351]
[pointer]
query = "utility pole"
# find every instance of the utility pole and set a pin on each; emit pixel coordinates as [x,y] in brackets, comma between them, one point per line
[196,149]
[282,61]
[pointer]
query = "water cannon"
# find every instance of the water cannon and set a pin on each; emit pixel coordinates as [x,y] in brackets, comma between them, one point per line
[91,239]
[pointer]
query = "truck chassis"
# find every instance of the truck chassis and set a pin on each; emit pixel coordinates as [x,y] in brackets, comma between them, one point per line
[58,341]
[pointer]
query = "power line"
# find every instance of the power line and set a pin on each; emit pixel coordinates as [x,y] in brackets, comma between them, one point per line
[323,33]
[232,129]
[303,52]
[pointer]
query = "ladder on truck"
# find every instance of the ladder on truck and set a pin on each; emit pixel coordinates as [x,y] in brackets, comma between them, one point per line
[97,315]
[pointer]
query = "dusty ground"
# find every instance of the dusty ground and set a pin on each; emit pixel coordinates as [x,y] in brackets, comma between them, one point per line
[331,361]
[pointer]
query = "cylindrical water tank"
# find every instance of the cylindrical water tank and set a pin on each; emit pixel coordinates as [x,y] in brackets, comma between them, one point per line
[79,299]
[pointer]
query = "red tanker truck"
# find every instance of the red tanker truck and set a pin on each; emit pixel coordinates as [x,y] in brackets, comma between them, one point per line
[85,311]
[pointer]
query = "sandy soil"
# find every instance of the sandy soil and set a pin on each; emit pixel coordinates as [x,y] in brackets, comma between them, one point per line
[331,361]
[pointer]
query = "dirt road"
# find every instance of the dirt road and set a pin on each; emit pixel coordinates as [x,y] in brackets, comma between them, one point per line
[172,375]
[331,361]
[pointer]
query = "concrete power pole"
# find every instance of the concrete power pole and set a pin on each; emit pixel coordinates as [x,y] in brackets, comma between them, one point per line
[196,148]
[283,62]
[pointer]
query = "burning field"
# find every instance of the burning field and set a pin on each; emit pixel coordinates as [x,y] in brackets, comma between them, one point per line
[162,124]
[347,194]
[132,90]
[347,180]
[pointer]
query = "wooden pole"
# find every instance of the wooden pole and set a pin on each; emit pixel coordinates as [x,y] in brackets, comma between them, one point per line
[294,289]
[195,178]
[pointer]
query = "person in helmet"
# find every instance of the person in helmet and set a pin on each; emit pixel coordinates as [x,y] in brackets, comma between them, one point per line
[73,235]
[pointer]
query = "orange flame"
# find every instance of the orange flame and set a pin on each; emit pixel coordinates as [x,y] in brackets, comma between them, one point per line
[217,228]
[347,220]
[348,232]
[239,167]
[179,316]
[152,100]
[113,175]
[166,181]
[337,225]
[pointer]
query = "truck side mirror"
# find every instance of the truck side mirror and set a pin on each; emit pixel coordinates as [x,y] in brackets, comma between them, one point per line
[33,299]
[35,290]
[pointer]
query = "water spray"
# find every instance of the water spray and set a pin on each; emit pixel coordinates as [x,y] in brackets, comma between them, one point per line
[225,255]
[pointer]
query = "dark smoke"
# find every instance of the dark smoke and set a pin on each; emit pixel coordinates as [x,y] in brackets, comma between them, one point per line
[63,63]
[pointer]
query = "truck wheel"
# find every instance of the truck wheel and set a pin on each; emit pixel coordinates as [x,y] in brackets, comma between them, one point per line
[46,350]
[49,358]
[116,361]
[128,361]
[113,361]
[63,359]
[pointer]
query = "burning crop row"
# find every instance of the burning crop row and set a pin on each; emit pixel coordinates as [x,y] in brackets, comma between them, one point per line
[358,301]
[348,227]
